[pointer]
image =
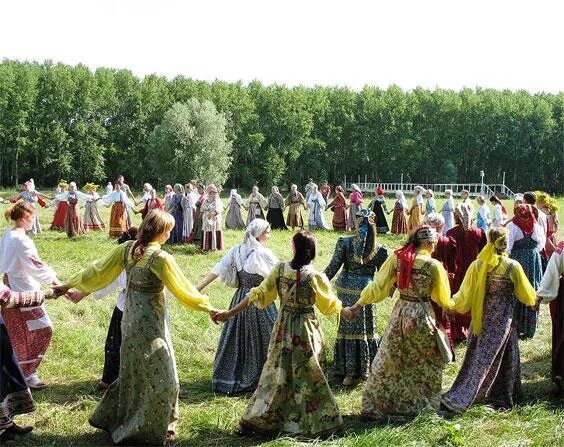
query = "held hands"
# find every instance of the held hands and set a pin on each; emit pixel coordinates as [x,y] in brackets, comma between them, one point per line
[221,316]
[75,295]
[350,313]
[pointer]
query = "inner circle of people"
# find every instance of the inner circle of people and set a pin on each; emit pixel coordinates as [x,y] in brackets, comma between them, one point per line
[462,276]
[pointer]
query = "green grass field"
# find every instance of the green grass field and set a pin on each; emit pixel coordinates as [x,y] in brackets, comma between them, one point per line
[74,363]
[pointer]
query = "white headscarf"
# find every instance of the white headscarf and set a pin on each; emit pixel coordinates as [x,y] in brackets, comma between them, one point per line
[237,197]
[316,195]
[355,187]
[401,197]
[250,256]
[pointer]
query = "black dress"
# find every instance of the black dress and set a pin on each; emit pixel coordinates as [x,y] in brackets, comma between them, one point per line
[275,216]
[378,206]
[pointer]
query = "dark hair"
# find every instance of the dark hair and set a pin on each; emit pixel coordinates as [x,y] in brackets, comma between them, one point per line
[128,235]
[19,210]
[304,246]
[530,197]
[494,199]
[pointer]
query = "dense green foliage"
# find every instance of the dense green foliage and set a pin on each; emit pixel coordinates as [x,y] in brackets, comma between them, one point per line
[58,121]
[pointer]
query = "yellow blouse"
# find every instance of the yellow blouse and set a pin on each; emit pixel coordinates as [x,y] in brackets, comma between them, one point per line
[465,296]
[380,288]
[325,299]
[105,270]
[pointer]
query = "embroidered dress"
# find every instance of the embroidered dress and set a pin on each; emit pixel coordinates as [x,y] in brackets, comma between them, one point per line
[15,397]
[255,204]
[275,215]
[415,217]
[293,394]
[356,342]
[29,328]
[142,404]
[92,219]
[525,252]
[177,206]
[339,208]
[118,213]
[406,374]
[491,369]
[212,234]
[233,219]
[448,214]
[399,220]
[295,201]
[243,345]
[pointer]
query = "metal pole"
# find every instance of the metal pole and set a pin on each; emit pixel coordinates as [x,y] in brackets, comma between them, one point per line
[401,187]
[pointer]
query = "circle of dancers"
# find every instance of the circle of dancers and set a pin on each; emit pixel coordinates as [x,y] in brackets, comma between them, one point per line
[462,275]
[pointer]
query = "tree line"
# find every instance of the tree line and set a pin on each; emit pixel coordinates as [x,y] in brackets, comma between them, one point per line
[67,122]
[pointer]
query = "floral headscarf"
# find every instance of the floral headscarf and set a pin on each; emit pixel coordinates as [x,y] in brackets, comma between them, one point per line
[524,218]
[364,243]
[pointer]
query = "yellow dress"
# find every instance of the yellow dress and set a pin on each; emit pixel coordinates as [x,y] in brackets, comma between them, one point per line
[406,374]
[415,217]
[293,394]
[142,404]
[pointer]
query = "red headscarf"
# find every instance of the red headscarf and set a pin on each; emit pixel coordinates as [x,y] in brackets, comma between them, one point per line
[524,218]
[380,191]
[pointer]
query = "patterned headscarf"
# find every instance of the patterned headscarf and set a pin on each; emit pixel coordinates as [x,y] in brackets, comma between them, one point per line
[524,218]
[406,254]
[462,213]
[364,243]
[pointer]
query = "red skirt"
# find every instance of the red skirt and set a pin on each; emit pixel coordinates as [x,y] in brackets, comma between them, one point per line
[209,242]
[118,220]
[58,222]
[73,222]
[30,331]
[339,218]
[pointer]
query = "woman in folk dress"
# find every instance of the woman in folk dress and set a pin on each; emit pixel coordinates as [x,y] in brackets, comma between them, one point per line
[339,207]
[141,406]
[92,219]
[255,204]
[118,215]
[295,201]
[58,222]
[316,205]
[212,232]
[406,374]
[293,394]
[399,219]
[355,205]
[233,219]
[275,205]
[243,345]
[415,213]
[448,210]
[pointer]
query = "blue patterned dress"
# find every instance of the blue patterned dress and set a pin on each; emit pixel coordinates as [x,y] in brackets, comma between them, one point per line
[356,343]
[525,252]
[177,212]
[448,214]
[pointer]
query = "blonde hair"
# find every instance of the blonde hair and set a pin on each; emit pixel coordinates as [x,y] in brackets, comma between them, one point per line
[155,223]
[19,210]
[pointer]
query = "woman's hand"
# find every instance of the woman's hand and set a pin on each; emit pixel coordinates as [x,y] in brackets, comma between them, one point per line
[60,289]
[221,316]
[75,295]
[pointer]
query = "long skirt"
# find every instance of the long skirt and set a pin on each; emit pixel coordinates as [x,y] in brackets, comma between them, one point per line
[399,221]
[212,240]
[92,219]
[449,220]
[340,218]
[293,394]
[356,344]
[524,251]
[176,233]
[353,209]
[15,397]
[415,218]
[112,348]
[187,224]
[30,330]
[557,316]
[233,219]
[406,374]
[381,222]
[316,218]
[491,369]
[118,220]
[294,218]
[58,222]
[276,219]
[73,221]
[255,212]
[243,346]
[196,236]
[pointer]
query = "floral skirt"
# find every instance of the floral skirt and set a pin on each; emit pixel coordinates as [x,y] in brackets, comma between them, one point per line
[399,222]
[406,374]
[118,220]
[293,395]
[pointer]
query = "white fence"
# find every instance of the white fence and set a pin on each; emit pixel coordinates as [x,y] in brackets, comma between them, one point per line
[475,189]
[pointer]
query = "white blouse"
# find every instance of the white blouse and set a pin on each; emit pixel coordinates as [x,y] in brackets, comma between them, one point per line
[20,261]
[257,260]
[515,234]
[548,288]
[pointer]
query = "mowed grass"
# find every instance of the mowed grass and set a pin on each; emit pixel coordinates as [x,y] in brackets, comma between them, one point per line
[74,363]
